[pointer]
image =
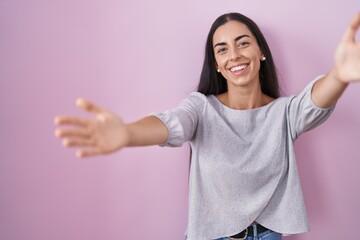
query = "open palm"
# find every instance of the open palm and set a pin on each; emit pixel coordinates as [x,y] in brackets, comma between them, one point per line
[103,134]
[347,55]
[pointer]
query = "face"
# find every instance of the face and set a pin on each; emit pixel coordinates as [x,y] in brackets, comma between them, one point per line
[237,54]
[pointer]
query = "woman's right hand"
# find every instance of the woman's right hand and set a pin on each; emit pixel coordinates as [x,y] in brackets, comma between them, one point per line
[106,133]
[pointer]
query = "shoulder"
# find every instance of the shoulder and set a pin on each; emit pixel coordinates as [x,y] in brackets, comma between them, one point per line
[196,98]
[197,95]
[194,101]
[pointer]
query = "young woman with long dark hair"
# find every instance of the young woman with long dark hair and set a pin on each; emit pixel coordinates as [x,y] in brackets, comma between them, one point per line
[244,183]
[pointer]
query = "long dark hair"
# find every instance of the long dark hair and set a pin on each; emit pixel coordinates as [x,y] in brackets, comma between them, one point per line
[212,82]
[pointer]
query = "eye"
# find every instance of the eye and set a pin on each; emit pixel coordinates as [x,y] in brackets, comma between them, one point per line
[243,44]
[221,50]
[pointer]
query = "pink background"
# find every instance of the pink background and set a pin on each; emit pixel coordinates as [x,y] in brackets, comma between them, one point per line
[136,57]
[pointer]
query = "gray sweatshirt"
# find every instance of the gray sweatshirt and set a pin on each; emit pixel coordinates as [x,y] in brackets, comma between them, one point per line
[243,166]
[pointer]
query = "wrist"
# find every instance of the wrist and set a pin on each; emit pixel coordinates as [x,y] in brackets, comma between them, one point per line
[334,76]
[128,135]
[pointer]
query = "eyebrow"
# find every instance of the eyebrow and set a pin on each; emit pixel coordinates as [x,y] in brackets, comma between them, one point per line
[236,39]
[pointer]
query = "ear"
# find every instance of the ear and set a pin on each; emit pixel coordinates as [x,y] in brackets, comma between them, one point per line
[262,57]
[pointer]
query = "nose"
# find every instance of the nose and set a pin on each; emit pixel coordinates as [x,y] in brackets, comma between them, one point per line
[234,54]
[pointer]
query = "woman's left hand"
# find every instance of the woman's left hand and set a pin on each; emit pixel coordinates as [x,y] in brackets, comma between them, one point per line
[347,55]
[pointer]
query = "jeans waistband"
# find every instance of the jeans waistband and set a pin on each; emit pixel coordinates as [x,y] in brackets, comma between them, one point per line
[252,230]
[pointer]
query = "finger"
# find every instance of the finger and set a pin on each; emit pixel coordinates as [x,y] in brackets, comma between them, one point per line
[87,153]
[69,120]
[353,27]
[72,133]
[88,106]
[78,142]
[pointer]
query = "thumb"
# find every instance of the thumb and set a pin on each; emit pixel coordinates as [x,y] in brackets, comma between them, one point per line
[350,33]
[88,106]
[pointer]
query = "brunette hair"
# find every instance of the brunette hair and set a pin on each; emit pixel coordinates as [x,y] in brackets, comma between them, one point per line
[212,82]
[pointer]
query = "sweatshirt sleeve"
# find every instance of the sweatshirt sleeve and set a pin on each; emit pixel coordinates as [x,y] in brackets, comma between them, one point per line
[182,120]
[303,114]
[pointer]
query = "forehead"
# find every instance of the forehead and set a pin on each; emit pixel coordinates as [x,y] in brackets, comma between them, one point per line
[229,31]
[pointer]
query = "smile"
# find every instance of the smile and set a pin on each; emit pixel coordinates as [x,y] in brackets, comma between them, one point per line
[238,68]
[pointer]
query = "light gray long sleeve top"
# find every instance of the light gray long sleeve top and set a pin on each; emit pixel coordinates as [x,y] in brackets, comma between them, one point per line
[243,165]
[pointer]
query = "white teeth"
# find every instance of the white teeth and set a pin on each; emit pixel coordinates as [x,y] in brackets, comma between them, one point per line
[237,68]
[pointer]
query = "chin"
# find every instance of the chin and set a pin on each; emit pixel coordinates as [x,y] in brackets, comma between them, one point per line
[243,81]
[240,82]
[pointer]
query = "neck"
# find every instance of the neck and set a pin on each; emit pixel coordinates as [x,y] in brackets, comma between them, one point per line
[244,98]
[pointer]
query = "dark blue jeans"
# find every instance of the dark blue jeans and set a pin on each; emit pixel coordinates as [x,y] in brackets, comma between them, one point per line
[267,235]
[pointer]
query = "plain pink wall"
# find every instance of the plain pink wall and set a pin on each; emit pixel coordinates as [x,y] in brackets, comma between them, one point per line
[136,57]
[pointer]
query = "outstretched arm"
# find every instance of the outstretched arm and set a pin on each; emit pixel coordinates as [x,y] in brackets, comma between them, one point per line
[107,133]
[346,68]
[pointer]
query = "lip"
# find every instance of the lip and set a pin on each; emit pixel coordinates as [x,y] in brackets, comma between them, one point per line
[240,72]
[240,64]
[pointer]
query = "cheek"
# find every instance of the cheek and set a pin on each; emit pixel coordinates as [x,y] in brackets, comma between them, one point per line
[220,61]
[257,61]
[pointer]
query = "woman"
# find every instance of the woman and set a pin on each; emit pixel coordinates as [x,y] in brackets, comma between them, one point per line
[244,182]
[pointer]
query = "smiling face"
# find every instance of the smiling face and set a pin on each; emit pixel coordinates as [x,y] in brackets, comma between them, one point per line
[237,54]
